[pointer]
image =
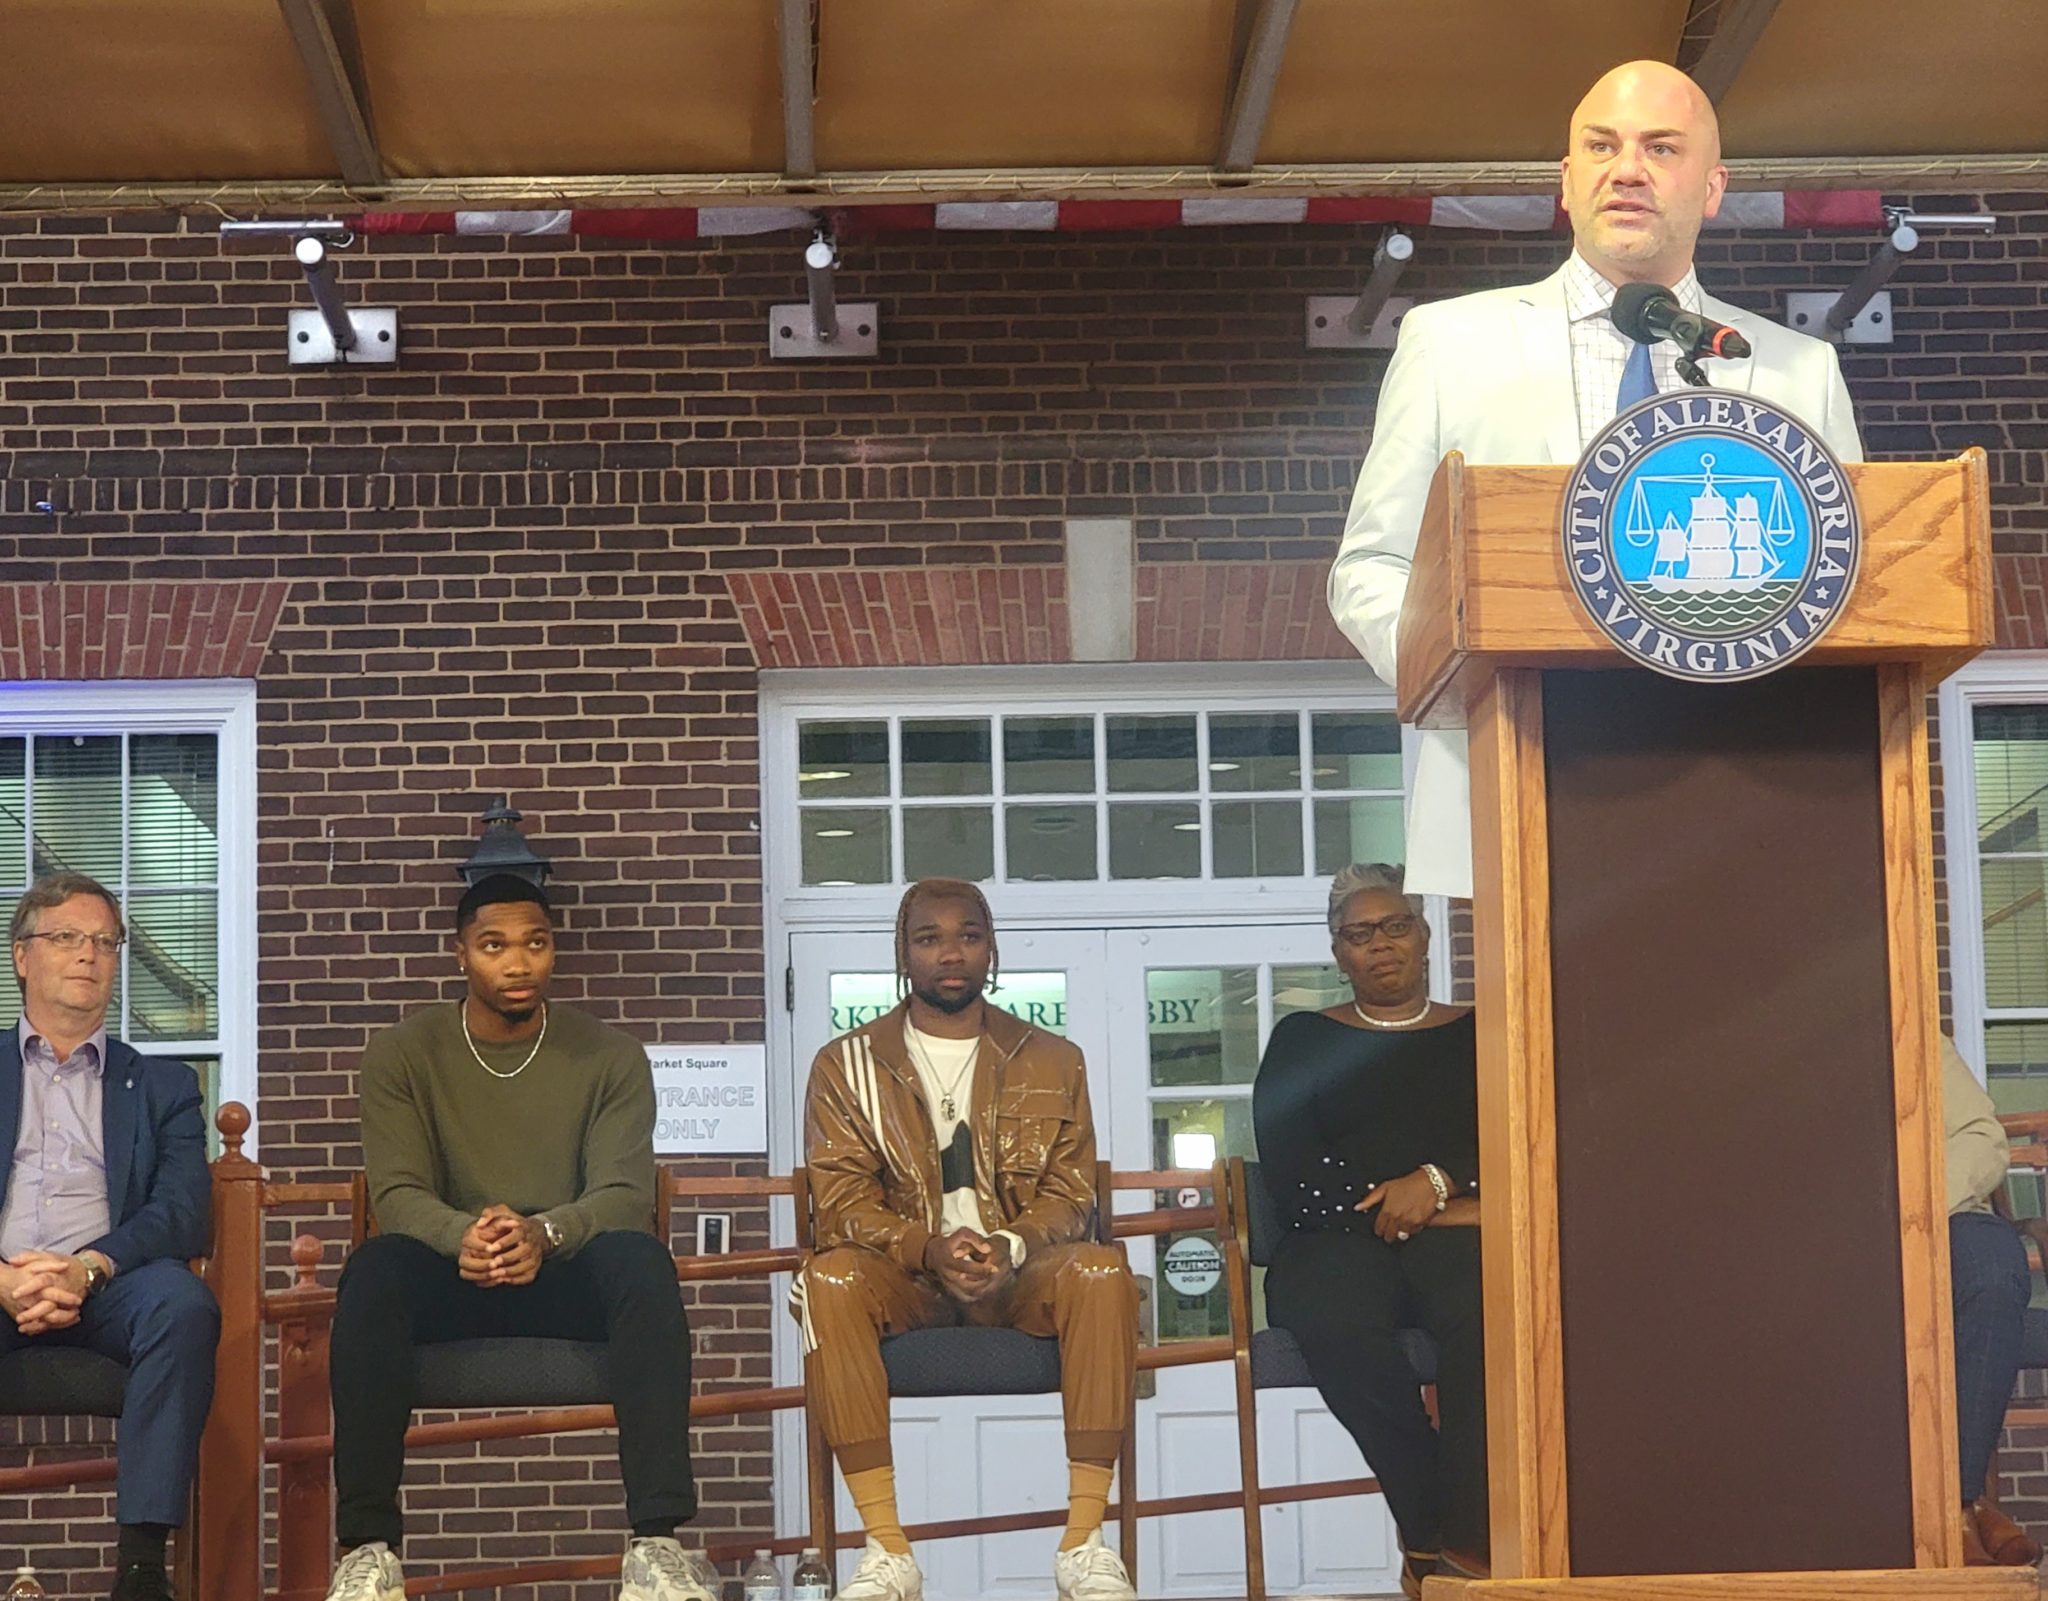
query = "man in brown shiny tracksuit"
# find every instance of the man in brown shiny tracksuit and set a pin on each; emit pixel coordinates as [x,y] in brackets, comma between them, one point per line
[951,1154]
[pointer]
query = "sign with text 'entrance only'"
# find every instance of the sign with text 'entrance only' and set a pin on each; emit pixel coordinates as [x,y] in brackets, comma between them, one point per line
[710,1100]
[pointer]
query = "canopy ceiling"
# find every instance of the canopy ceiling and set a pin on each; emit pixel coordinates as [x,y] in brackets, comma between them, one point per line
[502,101]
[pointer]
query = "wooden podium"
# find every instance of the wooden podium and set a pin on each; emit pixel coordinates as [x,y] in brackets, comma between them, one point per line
[1718,1345]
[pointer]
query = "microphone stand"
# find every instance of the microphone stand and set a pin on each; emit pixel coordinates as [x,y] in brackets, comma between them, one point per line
[1688,368]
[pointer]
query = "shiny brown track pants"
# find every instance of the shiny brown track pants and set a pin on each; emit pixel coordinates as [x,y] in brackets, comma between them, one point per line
[1083,1295]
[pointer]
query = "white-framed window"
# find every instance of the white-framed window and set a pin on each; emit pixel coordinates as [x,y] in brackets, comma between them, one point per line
[1187,777]
[149,788]
[1994,767]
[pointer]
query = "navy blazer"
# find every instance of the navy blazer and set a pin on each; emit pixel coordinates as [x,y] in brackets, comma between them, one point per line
[153,1121]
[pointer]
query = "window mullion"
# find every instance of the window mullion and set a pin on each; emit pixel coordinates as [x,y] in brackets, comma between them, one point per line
[1304,769]
[899,868]
[1102,872]
[28,809]
[998,783]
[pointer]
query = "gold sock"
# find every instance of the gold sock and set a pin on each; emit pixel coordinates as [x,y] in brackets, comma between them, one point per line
[1087,1500]
[874,1494]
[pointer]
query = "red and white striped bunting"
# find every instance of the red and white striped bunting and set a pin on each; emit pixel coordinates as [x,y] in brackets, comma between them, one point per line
[1757,209]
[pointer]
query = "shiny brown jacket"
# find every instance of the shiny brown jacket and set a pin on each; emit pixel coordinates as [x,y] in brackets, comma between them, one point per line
[873,1156]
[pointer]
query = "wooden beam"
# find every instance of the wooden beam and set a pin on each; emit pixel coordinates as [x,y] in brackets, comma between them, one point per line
[1908,808]
[336,92]
[1738,24]
[797,23]
[1934,173]
[1251,96]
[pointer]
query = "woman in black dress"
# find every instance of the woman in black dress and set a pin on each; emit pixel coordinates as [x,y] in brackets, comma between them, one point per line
[1368,1133]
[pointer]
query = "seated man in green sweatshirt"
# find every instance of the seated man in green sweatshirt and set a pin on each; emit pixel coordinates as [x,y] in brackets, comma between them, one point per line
[510,1147]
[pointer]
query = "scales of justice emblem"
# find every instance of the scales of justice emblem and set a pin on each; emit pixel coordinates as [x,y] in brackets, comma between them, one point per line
[1724,548]
[1710,536]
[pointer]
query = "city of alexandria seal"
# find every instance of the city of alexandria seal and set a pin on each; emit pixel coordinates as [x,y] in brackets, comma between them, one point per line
[1711,535]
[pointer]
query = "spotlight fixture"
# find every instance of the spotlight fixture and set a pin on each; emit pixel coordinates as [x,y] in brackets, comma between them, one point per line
[819,328]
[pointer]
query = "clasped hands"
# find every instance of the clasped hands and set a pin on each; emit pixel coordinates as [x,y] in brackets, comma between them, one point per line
[501,1247]
[971,1266]
[1408,1204]
[42,1290]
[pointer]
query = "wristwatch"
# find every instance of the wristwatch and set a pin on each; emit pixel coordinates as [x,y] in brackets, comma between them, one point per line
[95,1276]
[553,1231]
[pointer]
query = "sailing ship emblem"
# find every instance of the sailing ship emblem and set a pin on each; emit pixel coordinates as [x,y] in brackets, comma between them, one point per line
[1710,536]
[1724,544]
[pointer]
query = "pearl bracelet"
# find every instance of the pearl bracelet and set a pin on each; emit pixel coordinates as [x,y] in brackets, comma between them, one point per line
[1439,1183]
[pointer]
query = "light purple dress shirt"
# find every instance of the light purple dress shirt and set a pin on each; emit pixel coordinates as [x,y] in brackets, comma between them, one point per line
[57,1189]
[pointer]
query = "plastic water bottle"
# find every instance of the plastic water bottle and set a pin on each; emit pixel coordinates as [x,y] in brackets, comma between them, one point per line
[25,1586]
[813,1580]
[763,1579]
[703,1570]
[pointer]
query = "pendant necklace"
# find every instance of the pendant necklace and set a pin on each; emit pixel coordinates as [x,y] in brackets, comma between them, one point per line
[948,1107]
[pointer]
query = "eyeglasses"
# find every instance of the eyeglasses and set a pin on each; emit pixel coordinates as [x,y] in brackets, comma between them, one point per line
[70,940]
[1399,927]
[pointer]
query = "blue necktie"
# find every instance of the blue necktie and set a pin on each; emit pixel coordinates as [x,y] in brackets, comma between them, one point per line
[1638,383]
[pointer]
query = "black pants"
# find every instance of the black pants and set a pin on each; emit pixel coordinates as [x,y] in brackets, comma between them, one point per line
[398,1293]
[1343,1296]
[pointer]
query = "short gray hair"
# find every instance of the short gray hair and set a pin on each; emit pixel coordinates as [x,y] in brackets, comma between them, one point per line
[52,891]
[1367,875]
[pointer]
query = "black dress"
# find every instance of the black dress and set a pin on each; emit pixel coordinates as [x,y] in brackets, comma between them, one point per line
[1339,1109]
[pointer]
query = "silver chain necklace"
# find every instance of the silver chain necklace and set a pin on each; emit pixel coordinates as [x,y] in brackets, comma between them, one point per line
[462,1008]
[948,1107]
[1391,1022]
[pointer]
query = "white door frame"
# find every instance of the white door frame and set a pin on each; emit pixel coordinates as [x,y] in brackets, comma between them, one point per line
[1353,1552]
[787,697]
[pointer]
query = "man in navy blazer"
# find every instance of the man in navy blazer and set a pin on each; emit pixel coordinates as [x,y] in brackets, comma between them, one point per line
[103,1196]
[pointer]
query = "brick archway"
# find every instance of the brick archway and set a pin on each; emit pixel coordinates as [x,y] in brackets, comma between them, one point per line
[149,630]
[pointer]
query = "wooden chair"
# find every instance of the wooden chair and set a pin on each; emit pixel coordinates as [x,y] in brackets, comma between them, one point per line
[1127,1509]
[963,1362]
[1270,1359]
[69,1381]
[559,1398]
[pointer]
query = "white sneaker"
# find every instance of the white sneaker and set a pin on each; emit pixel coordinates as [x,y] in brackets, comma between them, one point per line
[884,1576]
[368,1573]
[660,1570]
[1092,1572]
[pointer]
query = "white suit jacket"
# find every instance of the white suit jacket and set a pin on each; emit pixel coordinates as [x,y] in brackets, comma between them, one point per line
[1491,374]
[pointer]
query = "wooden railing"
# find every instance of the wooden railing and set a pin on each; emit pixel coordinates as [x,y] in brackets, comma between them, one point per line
[234,1451]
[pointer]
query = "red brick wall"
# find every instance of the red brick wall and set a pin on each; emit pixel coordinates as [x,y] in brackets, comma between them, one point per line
[510,566]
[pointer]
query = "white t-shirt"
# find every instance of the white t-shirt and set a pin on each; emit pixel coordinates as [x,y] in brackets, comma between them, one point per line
[945,1070]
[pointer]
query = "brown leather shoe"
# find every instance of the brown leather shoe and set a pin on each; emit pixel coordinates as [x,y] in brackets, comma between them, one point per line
[1974,1554]
[1464,1565]
[1415,1567]
[2002,1541]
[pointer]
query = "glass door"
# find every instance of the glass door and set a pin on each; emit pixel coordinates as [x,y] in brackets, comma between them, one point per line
[1190,1013]
[978,1455]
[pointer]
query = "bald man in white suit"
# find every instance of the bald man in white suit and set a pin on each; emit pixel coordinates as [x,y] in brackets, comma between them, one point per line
[1528,375]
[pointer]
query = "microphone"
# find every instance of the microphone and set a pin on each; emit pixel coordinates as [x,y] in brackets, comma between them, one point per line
[1649,312]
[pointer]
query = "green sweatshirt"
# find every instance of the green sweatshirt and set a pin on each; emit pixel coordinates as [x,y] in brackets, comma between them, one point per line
[572,1136]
